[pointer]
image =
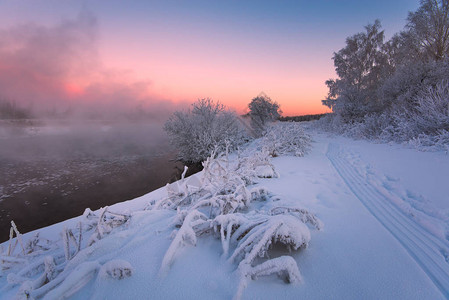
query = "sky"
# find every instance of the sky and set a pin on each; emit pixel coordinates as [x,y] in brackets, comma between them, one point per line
[158,56]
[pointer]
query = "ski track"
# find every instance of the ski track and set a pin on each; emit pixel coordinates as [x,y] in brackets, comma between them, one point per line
[426,249]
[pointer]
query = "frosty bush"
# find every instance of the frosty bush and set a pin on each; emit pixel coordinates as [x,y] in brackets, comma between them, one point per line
[426,125]
[221,203]
[256,165]
[286,138]
[221,188]
[206,127]
[397,90]
[116,269]
[330,123]
[262,111]
[222,206]
[57,270]
[422,122]
[432,110]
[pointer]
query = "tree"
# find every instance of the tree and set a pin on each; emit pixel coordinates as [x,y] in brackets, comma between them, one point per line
[429,28]
[262,110]
[360,66]
[399,91]
[206,127]
[396,90]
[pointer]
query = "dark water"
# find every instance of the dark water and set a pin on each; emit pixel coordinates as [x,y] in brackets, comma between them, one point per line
[51,173]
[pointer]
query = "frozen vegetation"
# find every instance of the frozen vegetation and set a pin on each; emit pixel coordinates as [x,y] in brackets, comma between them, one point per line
[250,225]
[223,202]
[396,90]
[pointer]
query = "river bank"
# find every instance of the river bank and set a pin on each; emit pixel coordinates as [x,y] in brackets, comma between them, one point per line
[49,173]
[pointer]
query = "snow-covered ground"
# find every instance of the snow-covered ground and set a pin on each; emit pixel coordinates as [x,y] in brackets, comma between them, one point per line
[385,211]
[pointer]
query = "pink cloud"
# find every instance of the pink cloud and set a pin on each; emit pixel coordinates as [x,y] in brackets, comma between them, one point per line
[59,69]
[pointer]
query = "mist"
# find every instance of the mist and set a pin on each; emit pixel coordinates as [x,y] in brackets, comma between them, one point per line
[87,135]
[57,72]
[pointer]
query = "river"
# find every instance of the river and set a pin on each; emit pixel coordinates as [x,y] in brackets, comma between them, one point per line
[51,171]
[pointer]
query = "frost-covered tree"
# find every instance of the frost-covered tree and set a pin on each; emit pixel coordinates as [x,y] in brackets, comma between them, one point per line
[399,91]
[395,90]
[429,28]
[425,37]
[428,121]
[360,66]
[206,127]
[262,111]
[401,49]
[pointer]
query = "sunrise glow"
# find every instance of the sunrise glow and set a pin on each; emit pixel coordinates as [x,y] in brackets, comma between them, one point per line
[145,52]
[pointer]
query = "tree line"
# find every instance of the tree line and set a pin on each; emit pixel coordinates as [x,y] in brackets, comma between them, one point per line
[396,89]
[209,127]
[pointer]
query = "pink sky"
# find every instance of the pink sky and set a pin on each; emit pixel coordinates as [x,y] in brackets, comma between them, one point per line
[151,55]
[189,67]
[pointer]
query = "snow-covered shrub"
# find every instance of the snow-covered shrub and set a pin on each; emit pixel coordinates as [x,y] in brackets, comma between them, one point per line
[262,111]
[286,138]
[116,269]
[304,215]
[284,266]
[252,236]
[56,269]
[256,165]
[74,281]
[260,234]
[222,205]
[370,127]
[221,189]
[48,270]
[424,126]
[179,194]
[442,140]
[37,244]
[186,235]
[103,223]
[330,123]
[18,251]
[432,110]
[260,194]
[425,142]
[206,127]
[13,242]
[399,91]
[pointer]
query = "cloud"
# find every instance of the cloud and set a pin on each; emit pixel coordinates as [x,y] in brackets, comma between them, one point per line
[57,69]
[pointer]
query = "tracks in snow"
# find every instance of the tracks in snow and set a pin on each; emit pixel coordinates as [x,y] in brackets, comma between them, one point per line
[428,250]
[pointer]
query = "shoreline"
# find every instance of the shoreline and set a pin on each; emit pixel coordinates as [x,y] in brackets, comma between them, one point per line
[66,188]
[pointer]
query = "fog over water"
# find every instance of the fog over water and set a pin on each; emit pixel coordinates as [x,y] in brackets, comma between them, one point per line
[53,170]
[88,135]
[82,139]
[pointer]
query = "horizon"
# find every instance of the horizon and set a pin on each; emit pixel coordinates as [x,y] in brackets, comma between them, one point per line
[159,57]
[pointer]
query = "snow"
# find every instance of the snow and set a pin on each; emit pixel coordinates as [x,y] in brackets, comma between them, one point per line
[423,173]
[374,219]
